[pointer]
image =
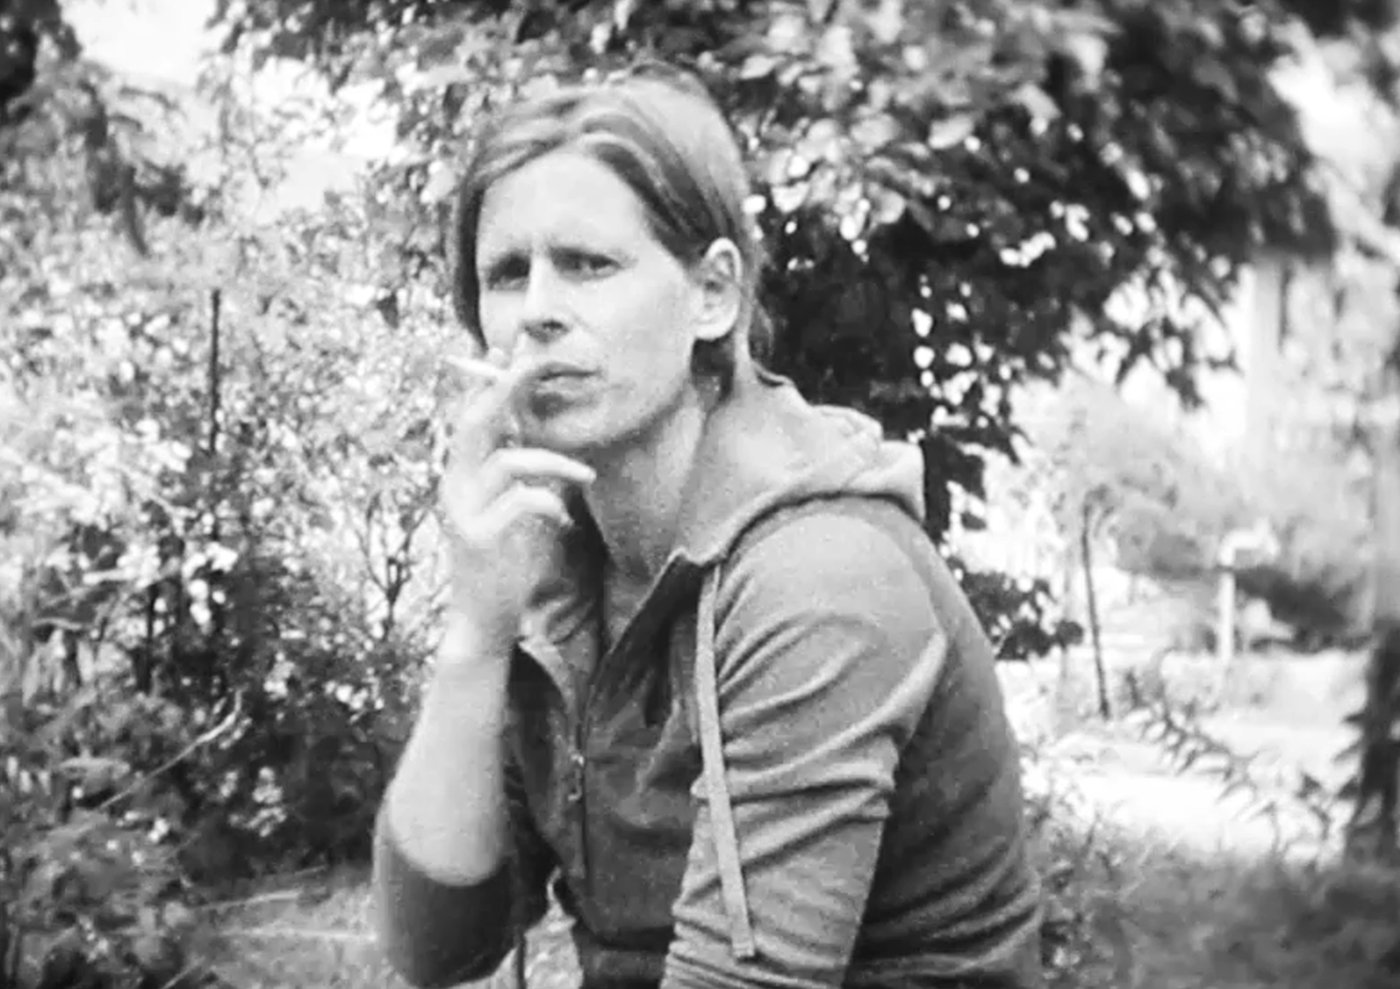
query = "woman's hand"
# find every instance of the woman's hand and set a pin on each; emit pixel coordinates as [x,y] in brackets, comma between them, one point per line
[503,505]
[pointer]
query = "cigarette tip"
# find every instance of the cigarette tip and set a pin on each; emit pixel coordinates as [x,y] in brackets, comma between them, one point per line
[471,365]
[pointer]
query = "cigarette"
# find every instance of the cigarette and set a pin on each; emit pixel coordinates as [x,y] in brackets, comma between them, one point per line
[481,369]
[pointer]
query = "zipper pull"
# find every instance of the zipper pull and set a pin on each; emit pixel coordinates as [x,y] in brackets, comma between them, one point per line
[576,784]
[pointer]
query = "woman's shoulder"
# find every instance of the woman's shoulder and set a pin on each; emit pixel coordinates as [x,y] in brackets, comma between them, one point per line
[844,553]
[854,554]
[836,536]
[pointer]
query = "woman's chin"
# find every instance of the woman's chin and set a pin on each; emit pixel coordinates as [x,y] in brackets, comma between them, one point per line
[560,435]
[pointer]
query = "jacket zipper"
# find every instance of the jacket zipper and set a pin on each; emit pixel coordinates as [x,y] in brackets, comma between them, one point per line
[578,772]
[577,796]
[566,686]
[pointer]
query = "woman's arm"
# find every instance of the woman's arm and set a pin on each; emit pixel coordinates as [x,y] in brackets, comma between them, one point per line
[442,885]
[441,847]
[828,650]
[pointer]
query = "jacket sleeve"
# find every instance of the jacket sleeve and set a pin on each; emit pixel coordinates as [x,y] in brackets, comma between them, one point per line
[438,933]
[828,651]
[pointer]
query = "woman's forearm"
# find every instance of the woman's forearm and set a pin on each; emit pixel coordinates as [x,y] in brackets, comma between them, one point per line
[446,806]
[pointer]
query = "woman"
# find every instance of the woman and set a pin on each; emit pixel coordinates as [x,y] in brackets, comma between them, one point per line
[704,672]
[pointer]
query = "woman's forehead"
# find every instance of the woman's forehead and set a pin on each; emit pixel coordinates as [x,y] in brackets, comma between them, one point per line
[564,195]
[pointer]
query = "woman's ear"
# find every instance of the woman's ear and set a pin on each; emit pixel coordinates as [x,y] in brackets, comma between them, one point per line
[719,278]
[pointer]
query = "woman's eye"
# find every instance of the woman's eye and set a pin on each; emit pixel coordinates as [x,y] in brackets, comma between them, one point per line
[509,275]
[588,264]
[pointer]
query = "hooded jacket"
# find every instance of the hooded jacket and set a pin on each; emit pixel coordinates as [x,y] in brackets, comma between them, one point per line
[792,769]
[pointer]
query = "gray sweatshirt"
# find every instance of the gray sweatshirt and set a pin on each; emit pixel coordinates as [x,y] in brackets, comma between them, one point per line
[793,769]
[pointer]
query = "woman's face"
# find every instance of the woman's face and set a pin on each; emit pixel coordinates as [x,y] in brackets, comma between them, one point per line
[572,281]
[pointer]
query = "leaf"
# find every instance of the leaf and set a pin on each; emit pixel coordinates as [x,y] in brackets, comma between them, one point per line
[442,76]
[887,205]
[95,772]
[886,21]
[622,14]
[1089,51]
[836,52]
[876,131]
[779,168]
[1037,102]
[757,66]
[1213,75]
[441,182]
[440,45]
[973,523]
[789,198]
[821,142]
[950,131]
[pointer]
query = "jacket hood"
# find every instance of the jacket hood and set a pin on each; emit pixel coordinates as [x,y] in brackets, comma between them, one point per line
[765,448]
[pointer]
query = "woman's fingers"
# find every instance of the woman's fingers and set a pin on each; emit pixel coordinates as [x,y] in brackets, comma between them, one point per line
[523,502]
[486,528]
[470,492]
[513,465]
[485,419]
[484,422]
[473,485]
[491,485]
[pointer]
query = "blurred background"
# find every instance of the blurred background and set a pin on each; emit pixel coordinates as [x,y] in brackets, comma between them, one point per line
[1127,272]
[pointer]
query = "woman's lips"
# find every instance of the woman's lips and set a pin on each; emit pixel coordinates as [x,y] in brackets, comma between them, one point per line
[554,371]
[547,389]
[555,378]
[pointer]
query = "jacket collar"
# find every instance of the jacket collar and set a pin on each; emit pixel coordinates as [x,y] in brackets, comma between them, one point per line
[763,447]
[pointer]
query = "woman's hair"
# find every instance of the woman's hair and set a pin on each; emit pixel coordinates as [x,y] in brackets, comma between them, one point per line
[664,136]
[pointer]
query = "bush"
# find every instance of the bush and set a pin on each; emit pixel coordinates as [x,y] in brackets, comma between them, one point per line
[1321,514]
[217,585]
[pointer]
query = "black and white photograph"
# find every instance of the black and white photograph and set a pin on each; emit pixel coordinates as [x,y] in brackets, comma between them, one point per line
[700,494]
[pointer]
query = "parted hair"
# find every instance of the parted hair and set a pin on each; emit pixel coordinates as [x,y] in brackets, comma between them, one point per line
[660,132]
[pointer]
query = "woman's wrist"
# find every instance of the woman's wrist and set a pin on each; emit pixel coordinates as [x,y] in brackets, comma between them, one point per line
[470,668]
[468,638]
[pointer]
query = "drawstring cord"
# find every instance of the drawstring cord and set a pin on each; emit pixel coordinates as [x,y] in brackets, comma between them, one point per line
[731,876]
[517,909]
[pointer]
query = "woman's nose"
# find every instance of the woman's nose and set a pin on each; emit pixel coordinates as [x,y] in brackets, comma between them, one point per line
[542,314]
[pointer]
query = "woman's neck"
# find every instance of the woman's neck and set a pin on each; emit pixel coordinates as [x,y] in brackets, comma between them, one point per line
[637,496]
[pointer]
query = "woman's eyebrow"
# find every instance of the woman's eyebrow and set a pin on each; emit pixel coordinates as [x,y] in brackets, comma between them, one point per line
[495,260]
[576,240]
[589,244]
[562,243]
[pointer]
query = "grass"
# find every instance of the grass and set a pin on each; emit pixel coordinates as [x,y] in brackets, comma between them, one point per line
[294,937]
[1142,898]
[1150,916]
[1160,917]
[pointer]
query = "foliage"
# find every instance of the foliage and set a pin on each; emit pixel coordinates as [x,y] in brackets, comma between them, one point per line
[224,431]
[1190,746]
[1319,583]
[1129,910]
[216,594]
[1371,57]
[945,187]
[1130,477]
[1019,613]
[1374,831]
[1336,17]
[26,27]
[1148,490]
[108,877]
[973,173]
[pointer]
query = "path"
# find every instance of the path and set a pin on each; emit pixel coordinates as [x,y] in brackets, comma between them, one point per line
[1294,725]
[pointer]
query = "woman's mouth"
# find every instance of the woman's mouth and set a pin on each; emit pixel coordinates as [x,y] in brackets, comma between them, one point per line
[555,375]
[550,389]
